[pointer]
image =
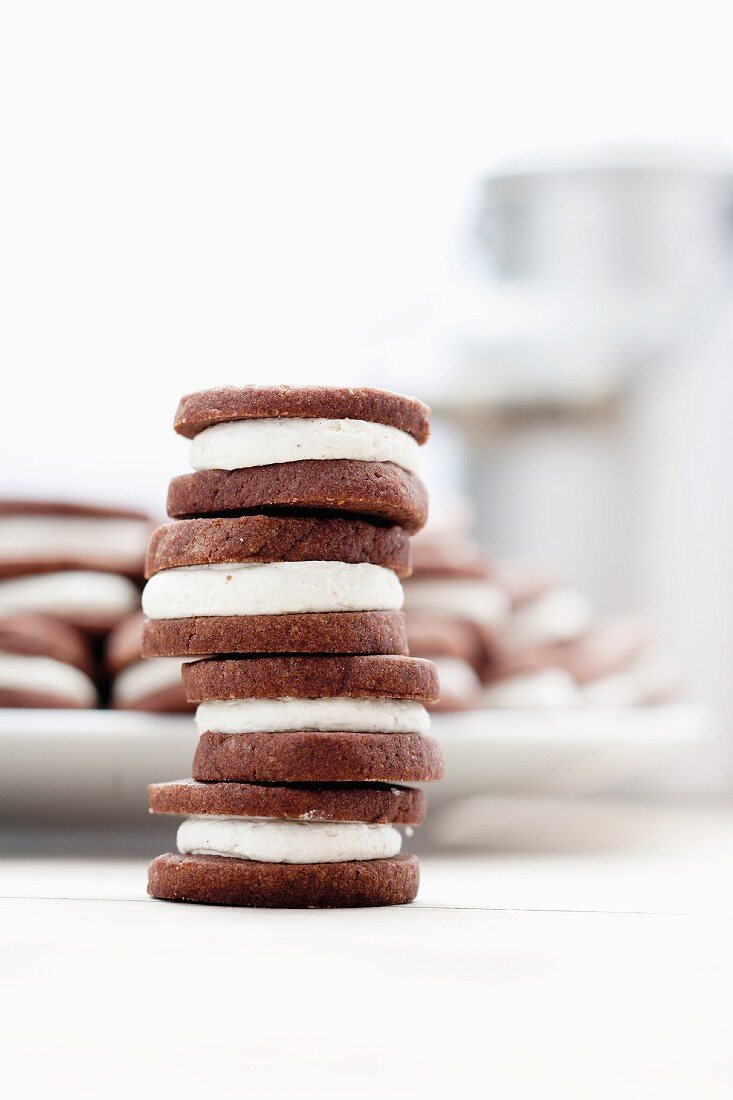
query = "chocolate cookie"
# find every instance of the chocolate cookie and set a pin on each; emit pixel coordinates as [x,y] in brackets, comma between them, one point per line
[442,557]
[377,490]
[374,803]
[35,546]
[312,632]
[43,663]
[276,538]
[307,757]
[124,643]
[311,677]
[40,636]
[430,637]
[197,411]
[221,880]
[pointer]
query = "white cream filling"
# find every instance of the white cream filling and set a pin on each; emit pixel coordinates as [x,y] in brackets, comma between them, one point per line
[118,542]
[273,588]
[274,841]
[244,443]
[458,680]
[21,672]
[70,593]
[458,598]
[556,616]
[549,687]
[337,713]
[145,677]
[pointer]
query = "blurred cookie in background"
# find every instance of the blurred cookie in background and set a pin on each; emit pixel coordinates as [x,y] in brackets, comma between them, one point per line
[46,537]
[457,653]
[528,682]
[543,610]
[454,612]
[617,664]
[73,562]
[153,684]
[44,663]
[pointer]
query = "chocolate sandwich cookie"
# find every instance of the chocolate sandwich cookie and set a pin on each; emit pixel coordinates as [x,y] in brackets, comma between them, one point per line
[50,536]
[305,756]
[153,685]
[373,803]
[458,651]
[336,450]
[315,632]
[44,663]
[311,677]
[274,584]
[380,491]
[218,880]
[198,411]
[526,682]
[275,538]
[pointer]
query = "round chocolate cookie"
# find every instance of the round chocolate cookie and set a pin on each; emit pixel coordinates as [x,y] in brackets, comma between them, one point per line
[276,538]
[442,557]
[40,636]
[67,508]
[308,757]
[123,646]
[377,490]
[197,411]
[311,677]
[222,880]
[375,803]
[312,632]
[430,637]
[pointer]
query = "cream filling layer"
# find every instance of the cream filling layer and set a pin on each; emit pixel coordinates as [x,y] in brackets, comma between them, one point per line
[458,680]
[273,588]
[20,672]
[145,677]
[337,713]
[244,443]
[548,687]
[274,841]
[458,598]
[69,593]
[556,616]
[118,542]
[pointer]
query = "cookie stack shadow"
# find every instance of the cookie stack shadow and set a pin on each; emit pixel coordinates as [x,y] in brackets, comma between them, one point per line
[278,586]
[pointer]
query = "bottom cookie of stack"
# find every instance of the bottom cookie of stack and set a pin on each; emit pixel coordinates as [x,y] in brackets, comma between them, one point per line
[287,846]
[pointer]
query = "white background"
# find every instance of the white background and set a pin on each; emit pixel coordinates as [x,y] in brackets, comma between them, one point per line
[202,193]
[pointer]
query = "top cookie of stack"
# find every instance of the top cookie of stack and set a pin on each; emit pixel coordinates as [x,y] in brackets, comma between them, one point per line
[291,534]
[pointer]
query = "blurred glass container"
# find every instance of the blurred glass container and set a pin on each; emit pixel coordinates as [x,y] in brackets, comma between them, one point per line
[577,270]
[580,362]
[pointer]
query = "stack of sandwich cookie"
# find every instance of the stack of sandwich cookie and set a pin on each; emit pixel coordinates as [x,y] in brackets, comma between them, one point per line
[279,586]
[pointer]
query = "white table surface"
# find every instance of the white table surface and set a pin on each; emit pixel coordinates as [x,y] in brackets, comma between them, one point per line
[590,974]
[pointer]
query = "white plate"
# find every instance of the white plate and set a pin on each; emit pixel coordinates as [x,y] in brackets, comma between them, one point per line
[566,751]
[95,765]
